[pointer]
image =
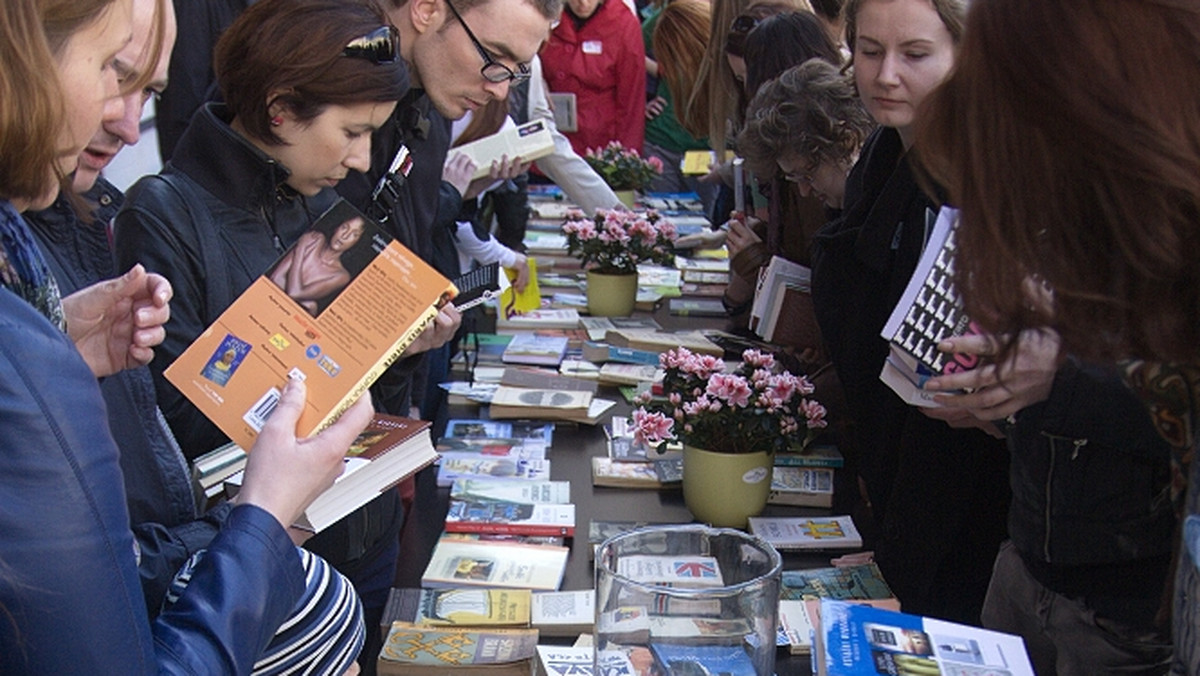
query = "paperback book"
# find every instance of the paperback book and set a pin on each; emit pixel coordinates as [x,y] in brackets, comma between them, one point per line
[455,466]
[850,582]
[235,371]
[801,487]
[466,607]
[564,613]
[517,518]
[529,432]
[467,563]
[816,532]
[418,650]
[861,639]
[509,490]
[532,348]
[703,659]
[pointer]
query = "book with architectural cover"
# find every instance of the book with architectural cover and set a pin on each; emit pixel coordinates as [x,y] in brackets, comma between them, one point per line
[510,490]
[528,141]
[390,449]
[517,518]
[413,649]
[812,532]
[380,297]
[850,582]
[861,639]
[801,487]
[468,563]
[564,613]
[930,309]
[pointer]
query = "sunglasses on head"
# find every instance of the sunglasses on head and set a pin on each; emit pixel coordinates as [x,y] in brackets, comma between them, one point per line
[379,46]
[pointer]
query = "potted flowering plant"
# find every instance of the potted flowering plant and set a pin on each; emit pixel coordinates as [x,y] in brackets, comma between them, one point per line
[611,244]
[731,425]
[623,169]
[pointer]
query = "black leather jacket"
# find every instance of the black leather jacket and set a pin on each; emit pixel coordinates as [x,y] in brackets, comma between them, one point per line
[1091,510]
[233,218]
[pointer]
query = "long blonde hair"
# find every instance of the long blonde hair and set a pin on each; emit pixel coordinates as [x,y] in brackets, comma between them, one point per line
[679,43]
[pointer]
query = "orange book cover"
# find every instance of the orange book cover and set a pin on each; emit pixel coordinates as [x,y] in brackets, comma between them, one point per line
[336,309]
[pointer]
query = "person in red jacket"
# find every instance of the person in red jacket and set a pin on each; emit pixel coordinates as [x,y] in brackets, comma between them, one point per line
[596,53]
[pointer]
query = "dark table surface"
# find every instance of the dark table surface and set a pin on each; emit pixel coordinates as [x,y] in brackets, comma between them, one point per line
[570,460]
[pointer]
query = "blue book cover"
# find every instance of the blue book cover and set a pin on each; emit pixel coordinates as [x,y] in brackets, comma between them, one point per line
[861,639]
[695,660]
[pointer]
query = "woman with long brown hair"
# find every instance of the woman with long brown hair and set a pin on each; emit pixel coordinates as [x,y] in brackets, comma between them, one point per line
[1070,138]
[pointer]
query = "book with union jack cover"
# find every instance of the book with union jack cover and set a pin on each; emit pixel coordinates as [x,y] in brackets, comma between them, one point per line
[675,571]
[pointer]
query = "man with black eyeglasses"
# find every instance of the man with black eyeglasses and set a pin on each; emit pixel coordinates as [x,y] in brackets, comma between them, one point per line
[461,54]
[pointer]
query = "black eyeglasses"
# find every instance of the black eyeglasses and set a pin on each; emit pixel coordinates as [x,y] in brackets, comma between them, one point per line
[378,46]
[492,70]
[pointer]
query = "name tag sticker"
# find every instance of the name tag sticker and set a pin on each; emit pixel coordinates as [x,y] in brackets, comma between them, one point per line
[593,47]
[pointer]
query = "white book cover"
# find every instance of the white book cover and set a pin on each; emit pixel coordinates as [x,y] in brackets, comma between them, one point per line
[528,141]
[572,609]
[512,490]
[480,563]
[815,532]
[779,273]
[678,571]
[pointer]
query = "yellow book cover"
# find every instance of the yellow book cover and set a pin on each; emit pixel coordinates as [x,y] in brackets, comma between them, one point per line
[475,607]
[530,298]
[336,310]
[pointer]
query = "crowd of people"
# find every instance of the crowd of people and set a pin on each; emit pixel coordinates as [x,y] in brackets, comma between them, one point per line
[1051,494]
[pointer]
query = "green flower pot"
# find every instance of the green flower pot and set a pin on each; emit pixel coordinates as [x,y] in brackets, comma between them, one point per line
[611,295]
[627,197]
[726,489]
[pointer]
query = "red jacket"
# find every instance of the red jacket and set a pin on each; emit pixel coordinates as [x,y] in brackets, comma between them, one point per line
[604,64]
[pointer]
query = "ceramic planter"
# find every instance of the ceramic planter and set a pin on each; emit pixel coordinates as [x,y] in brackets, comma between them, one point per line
[611,295]
[726,489]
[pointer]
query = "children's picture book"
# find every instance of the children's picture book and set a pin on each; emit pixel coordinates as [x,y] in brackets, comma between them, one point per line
[801,487]
[532,348]
[458,465]
[467,563]
[862,639]
[390,449]
[509,490]
[337,326]
[564,613]
[703,659]
[814,532]
[518,518]
[414,649]
[848,582]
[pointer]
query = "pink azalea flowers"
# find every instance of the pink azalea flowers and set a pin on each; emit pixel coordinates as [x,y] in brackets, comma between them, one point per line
[755,407]
[616,241]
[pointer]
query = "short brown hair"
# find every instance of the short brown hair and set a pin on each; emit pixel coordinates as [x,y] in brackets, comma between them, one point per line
[1069,134]
[295,47]
[811,110]
[951,12]
[32,33]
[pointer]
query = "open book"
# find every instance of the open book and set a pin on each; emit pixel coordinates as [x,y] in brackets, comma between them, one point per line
[337,325]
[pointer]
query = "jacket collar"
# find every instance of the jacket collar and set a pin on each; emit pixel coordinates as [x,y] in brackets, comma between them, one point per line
[211,153]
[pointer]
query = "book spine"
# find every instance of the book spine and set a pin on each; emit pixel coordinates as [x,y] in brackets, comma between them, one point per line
[380,366]
[509,528]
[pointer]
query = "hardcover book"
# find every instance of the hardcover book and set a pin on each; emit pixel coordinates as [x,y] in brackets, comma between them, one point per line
[517,518]
[467,563]
[384,296]
[861,639]
[798,532]
[411,649]
[387,451]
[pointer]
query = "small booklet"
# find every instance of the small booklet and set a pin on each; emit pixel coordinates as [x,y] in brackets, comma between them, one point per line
[565,114]
[336,325]
[528,141]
